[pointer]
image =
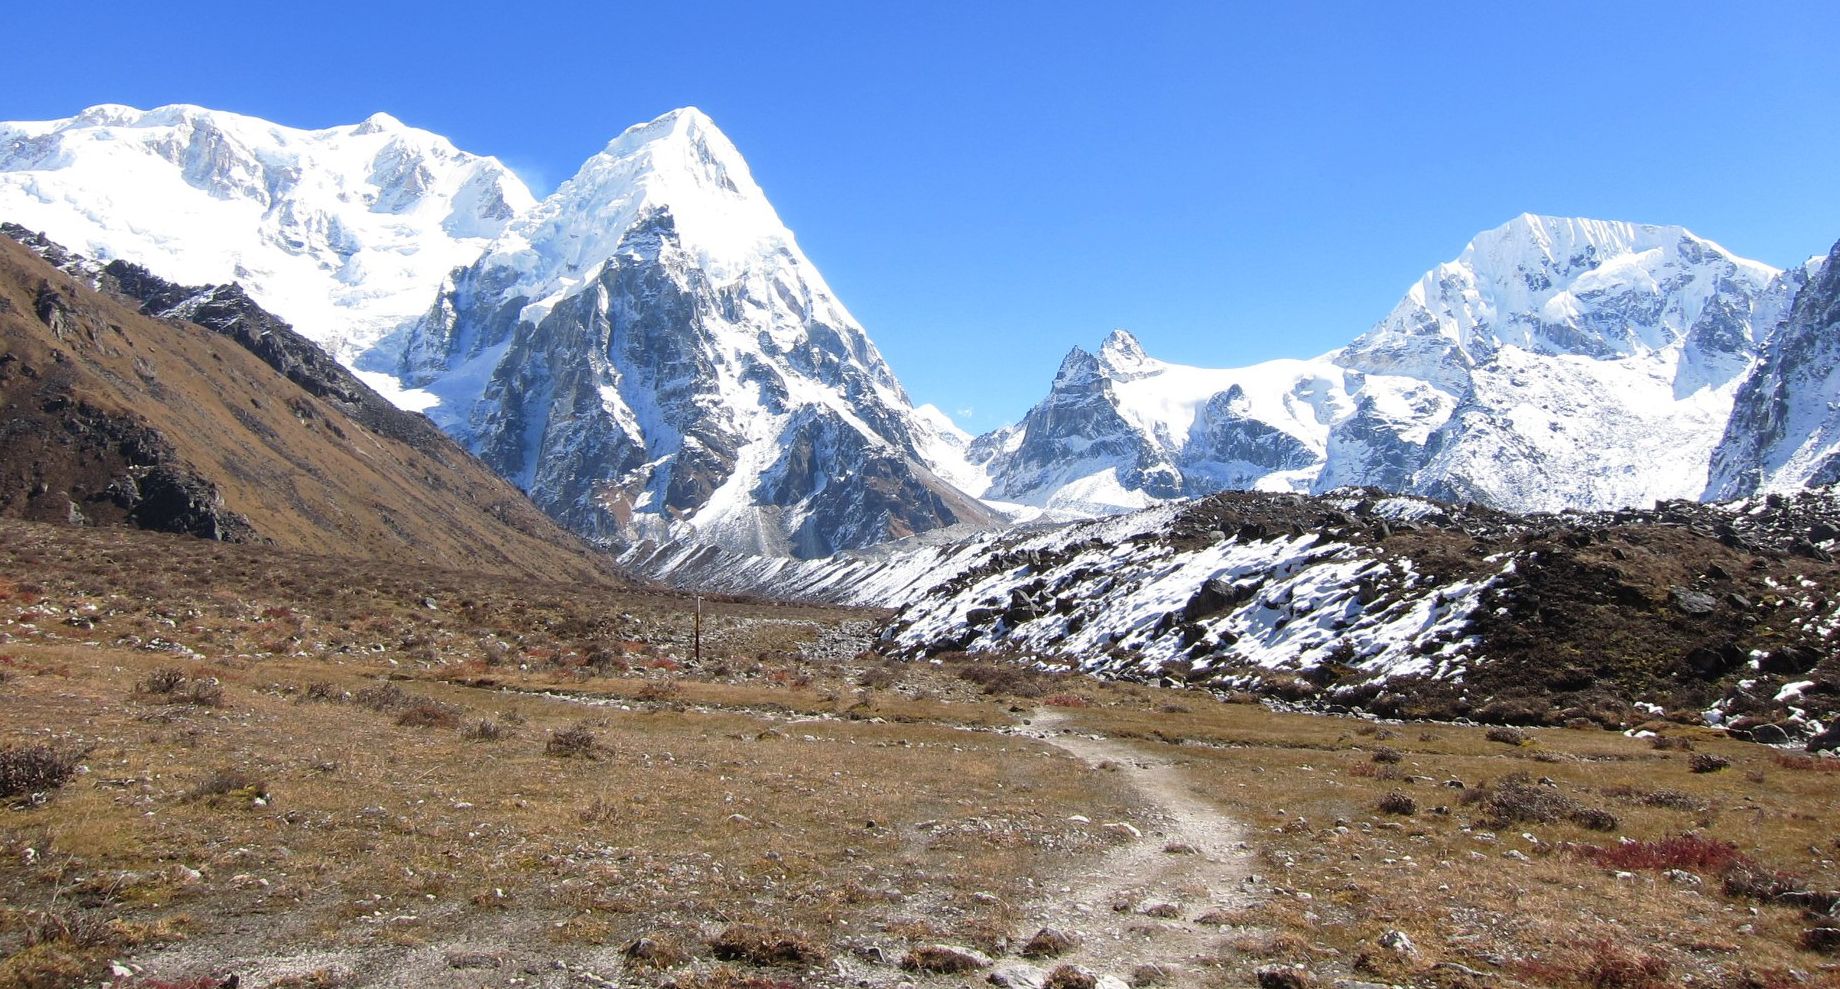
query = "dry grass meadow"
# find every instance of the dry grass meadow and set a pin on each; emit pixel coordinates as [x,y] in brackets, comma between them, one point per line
[313,772]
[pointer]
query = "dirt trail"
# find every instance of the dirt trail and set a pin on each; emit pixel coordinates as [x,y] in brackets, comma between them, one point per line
[1192,859]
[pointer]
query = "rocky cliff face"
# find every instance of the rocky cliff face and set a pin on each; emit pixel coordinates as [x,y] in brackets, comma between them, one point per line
[1784,431]
[650,355]
[1555,364]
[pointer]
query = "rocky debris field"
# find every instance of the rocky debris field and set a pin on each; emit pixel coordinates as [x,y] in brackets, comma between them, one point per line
[1719,614]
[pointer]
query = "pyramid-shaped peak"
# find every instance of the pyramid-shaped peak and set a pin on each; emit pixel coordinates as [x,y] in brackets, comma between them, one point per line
[1120,345]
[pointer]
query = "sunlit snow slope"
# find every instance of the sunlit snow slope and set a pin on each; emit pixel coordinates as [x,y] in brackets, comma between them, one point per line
[344,232]
[1556,363]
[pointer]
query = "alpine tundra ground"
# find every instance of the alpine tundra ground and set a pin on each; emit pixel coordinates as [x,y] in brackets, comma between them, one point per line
[232,761]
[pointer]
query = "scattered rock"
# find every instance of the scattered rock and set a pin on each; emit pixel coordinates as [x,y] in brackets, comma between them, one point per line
[1398,943]
[1691,602]
[1016,975]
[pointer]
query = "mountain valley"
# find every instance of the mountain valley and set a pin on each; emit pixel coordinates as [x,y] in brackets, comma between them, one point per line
[407,580]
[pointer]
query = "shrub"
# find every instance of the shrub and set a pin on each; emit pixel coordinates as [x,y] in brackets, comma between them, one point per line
[1594,819]
[1516,798]
[1670,799]
[382,697]
[165,680]
[656,952]
[228,782]
[1507,735]
[77,928]
[758,945]
[941,960]
[324,692]
[1070,977]
[575,740]
[1066,700]
[1671,743]
[483,730]
[173,686]
[426,712]
[1687,851]
[203,692]
[1387,754]
[1398,802]
[1602,965]
[35,769]
[1048,943]
[1706,762]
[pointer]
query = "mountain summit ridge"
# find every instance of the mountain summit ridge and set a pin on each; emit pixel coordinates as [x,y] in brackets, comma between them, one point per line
[649,354]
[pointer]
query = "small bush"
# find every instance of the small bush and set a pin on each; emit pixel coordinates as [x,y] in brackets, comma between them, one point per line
[1516,799]
[1387,754]
[77,928]
[575,740]
[1687,851]
[204,692]
[1507,735]
[483,730]
[758,945]
[1375,771]
[1602,965]
[1398,802]
[656,952]
[426,712]
[1671,743]
[228,783]
[1706,762]
[1066,700]
[382,697]
[323,692]
[165,680]
[1049,943]
[1670,799]
[173,686]
[1070,977]
[35,769]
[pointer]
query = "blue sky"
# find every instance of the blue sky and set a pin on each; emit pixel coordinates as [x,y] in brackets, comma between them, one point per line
[988,184]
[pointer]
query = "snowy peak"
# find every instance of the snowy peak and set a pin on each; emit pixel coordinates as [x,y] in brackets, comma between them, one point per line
[343,231]
[650,356]
[680,165]
[1574,287]
[1123,357]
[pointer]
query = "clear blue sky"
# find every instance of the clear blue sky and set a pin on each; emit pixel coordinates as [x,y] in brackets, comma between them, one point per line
[987,184]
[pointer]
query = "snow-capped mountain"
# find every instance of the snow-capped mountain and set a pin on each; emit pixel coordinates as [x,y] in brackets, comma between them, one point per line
[650,355]
[345,232]
[1784,431]
[1120,430]
[1556,363]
